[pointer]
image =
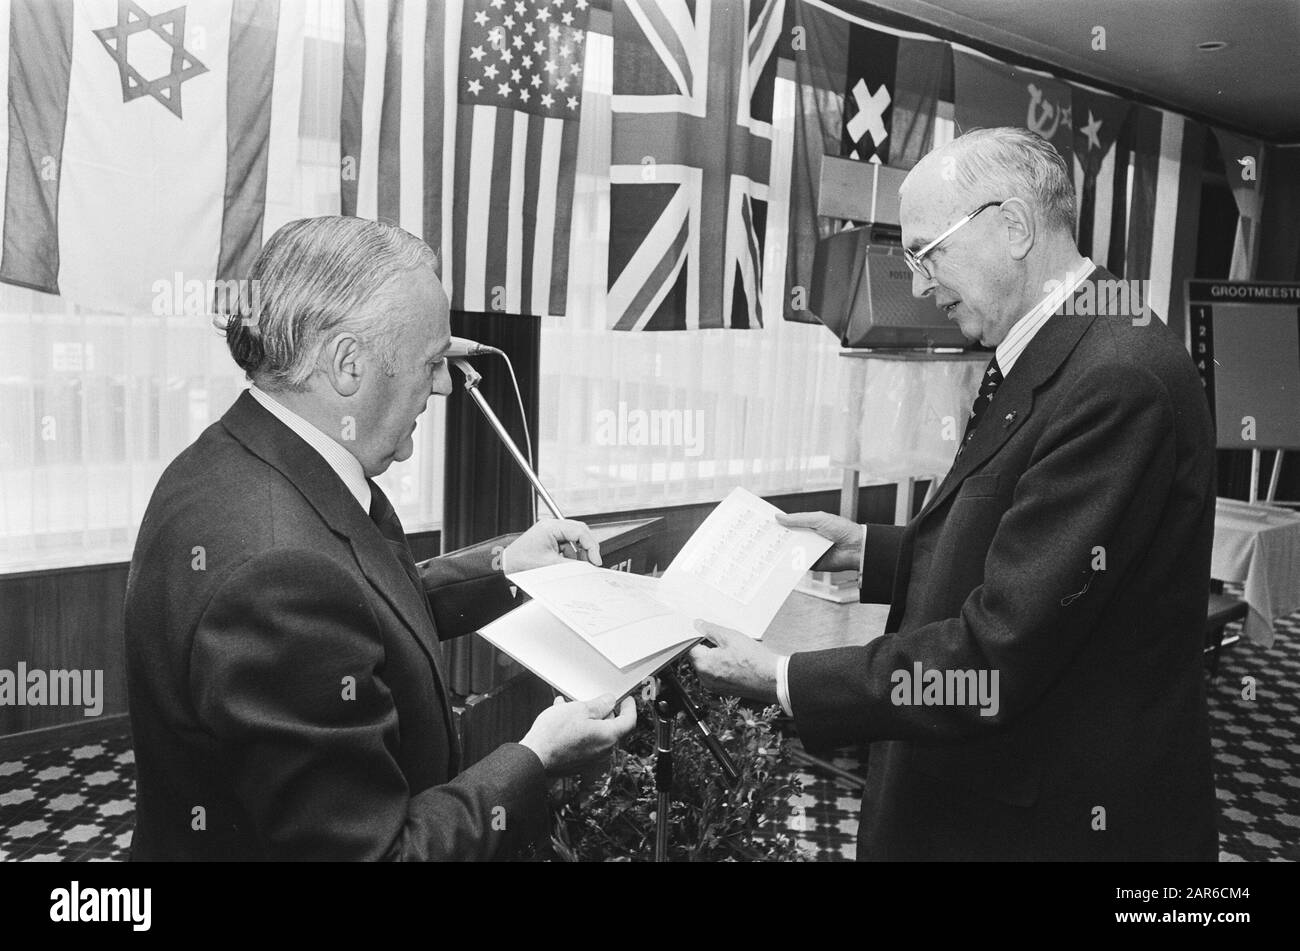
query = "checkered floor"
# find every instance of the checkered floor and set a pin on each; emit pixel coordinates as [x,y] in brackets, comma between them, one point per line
[77,804]
[825,818]
[1257,748]
[68,805]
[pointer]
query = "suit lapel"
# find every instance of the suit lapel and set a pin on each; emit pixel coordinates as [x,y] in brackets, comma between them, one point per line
[1014,399]
[1005,413]
[279,446]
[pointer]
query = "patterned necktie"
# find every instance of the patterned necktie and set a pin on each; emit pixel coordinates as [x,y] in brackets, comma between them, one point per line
[988,386]
[390,526]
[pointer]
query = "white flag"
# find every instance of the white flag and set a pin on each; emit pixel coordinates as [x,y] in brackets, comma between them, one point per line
[145,141]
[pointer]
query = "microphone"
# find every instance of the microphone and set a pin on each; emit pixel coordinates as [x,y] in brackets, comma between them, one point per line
[464,347]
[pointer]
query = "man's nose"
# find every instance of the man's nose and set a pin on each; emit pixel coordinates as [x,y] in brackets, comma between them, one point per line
[921,286]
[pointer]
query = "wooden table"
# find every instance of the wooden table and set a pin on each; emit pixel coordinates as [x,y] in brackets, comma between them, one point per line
[806,623]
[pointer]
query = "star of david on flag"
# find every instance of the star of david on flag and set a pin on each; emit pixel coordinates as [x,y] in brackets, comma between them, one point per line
[159,145]
[168,27]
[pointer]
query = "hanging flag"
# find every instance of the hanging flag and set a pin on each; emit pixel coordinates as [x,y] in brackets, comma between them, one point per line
[1140,141]
[1164,208]
[520,99]
[691,154]
[1098,120]
[460,124]
[1241,166]
[862,93]
[868,103]
[1138,174]
[396,111]
[1113,147]
[142,148]
[988,94]
[1152,206]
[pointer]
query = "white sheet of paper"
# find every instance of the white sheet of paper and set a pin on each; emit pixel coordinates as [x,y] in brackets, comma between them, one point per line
[736,571]
[548,647]
[612,610]
[740,565]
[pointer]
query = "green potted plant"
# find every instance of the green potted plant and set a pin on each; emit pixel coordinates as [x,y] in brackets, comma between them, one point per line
[611,817]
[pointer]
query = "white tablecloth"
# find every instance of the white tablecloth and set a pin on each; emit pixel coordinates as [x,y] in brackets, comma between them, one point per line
[1259,546]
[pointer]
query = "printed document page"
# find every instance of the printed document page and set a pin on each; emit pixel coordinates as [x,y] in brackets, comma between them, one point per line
[616,612]
[736,571]
[740,565]
[552,650]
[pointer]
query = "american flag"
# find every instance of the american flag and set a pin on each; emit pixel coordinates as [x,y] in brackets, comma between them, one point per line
[520,96]
[691,151]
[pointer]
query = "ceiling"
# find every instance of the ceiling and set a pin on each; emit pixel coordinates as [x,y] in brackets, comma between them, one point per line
[1252,85]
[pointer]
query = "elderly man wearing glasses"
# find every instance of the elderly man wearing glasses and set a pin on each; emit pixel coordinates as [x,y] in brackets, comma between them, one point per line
[1062,566]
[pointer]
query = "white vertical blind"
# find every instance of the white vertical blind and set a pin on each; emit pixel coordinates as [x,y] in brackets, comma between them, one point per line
[725,407]
[93,406]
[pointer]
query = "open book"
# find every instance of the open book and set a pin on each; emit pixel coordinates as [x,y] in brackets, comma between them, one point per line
[590,631]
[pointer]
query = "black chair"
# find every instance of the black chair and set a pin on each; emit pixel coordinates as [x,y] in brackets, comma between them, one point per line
[1222,611]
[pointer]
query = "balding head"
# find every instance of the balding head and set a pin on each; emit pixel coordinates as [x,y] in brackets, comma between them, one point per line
[993,268]
[995,164]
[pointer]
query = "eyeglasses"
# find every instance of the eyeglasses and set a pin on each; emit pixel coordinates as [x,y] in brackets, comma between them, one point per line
[916,260]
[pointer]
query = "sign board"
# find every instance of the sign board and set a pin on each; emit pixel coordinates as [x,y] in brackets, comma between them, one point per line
[1246,346]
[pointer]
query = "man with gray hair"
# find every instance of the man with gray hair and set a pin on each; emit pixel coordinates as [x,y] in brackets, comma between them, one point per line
[1065,559]
[283,671]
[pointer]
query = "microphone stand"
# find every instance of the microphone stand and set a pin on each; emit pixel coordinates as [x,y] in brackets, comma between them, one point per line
[670,697]
[472,379]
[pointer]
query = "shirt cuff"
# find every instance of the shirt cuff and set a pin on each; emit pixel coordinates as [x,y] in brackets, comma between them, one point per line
[783,683]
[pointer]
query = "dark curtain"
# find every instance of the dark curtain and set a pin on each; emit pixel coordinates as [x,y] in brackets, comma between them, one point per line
[1279,260]
[1279,238]
[484,493]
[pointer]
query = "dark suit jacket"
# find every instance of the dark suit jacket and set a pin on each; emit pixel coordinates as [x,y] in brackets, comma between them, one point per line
[1099,442]
[283,672]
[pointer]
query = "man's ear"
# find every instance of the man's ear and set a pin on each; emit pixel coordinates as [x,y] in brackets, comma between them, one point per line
[342,359]
[1018,219]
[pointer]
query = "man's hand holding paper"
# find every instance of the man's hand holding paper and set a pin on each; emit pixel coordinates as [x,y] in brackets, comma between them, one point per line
[735,571]
[568,736]
[737,665]
[845,535]
[546,542]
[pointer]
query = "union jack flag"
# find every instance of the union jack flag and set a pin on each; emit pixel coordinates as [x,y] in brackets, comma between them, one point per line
[690,155]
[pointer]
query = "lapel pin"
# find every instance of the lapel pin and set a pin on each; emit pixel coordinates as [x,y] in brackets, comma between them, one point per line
[1010,417]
